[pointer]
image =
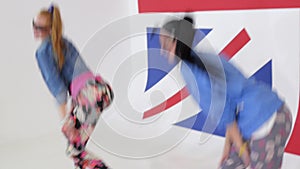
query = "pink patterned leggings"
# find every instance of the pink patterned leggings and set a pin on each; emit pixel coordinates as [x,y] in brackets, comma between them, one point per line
[88,106]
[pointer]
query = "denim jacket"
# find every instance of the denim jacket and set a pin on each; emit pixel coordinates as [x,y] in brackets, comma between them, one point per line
[58,81]
[254,101]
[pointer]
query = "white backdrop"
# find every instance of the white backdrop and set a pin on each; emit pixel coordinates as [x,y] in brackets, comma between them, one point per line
[30,129]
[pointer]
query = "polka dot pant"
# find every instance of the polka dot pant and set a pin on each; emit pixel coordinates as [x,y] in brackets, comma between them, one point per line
[267,152]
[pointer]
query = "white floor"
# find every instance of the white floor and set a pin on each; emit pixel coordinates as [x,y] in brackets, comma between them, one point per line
[47,152]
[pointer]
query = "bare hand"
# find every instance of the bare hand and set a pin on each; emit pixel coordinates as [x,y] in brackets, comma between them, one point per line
[233,137]
[226,150]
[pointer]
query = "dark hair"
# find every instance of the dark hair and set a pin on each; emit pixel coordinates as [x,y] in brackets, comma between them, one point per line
[183,31]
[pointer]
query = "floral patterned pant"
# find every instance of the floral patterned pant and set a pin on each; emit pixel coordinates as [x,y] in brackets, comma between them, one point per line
[79,125]
[267,152]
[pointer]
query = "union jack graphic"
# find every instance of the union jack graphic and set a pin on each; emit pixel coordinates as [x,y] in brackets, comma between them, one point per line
[236,44]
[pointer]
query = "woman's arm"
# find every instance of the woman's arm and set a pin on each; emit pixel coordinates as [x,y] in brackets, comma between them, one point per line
[52,76]
[234,138]
[63,110]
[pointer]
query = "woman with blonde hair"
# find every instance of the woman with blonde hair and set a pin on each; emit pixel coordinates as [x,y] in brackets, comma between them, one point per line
[66,74]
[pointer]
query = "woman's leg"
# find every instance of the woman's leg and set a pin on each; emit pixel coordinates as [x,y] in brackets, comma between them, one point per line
[91,101]
[78,137]
[267,152]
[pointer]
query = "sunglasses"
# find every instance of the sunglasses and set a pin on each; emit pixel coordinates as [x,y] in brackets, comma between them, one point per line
[40,28]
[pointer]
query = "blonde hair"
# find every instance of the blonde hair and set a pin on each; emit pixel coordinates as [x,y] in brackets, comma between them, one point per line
[54,20]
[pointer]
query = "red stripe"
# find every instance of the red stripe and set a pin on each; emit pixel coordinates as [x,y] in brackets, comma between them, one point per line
[205,5]
[176,98]
[293,145]
[236,44]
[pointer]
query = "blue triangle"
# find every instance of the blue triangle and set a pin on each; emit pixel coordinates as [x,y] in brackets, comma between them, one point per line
[196,122]
[158,66]
[199,35]
[264,74]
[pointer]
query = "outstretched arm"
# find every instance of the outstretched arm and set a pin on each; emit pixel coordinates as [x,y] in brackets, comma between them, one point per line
[53,78]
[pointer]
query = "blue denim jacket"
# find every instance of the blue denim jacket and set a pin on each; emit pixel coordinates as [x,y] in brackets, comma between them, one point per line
[256,102]
[58,82]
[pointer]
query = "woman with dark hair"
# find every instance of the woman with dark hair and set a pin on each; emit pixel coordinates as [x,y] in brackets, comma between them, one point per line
[255,121]
[65,73]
